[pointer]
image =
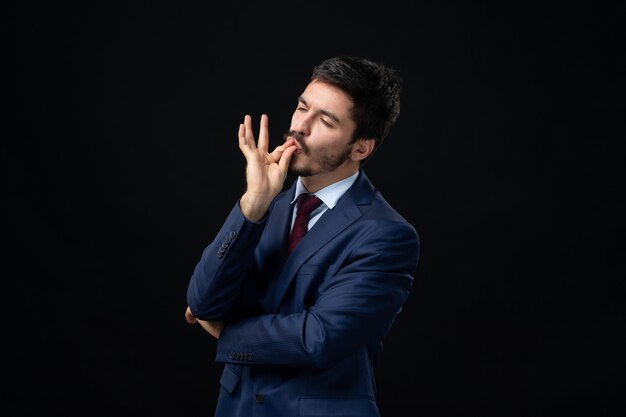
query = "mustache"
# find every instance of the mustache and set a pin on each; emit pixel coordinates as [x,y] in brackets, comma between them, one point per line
[299,137]
[293,134]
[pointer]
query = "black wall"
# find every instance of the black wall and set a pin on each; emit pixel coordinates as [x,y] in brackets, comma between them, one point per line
[120,160]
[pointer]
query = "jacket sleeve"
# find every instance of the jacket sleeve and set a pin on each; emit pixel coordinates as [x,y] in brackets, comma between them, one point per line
[214,289]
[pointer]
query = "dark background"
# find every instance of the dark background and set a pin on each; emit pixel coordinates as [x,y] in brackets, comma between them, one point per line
[120,160]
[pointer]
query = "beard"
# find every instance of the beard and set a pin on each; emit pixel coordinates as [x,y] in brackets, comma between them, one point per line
[322,162]
[319,163]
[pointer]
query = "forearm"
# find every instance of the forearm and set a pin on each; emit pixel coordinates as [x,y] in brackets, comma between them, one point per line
[329,331]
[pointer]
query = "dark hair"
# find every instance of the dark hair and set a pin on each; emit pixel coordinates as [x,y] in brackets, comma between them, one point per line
[374,89]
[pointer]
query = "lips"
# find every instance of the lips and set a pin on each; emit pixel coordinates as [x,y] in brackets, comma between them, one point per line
[296,137]
[298,146]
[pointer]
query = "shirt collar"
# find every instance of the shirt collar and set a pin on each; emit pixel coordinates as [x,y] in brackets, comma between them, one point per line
[329,194]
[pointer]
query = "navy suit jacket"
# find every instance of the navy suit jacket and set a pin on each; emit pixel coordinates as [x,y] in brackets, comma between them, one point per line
[304,332]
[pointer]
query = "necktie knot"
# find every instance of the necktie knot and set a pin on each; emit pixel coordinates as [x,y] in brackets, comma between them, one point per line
[306,204]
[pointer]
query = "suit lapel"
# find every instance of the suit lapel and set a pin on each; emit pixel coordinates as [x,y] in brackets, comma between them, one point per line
[272,251]
[278,226]
[326,228]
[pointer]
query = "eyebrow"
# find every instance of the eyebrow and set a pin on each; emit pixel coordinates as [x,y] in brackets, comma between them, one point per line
[324,112]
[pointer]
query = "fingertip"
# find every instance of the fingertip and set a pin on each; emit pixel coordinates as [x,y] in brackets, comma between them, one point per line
[289,150]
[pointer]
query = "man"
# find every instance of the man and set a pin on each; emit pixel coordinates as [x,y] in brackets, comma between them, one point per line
[300,330]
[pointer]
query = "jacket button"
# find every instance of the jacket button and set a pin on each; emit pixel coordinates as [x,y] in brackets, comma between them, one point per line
[258,398]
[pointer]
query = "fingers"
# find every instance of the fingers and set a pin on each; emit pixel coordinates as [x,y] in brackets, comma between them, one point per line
[241,134]
[278,151]
[214,328]
[245,134]
[285,158]
[190,317]
[263,143]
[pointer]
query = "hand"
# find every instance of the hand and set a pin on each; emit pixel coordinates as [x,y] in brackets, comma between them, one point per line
[265,172]
[214,328]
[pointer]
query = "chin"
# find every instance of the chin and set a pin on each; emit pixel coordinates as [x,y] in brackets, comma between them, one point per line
[299,170]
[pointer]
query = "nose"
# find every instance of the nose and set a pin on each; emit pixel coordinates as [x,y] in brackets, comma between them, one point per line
[301,123]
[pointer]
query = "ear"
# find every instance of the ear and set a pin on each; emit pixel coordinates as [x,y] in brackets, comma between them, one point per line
[362,148]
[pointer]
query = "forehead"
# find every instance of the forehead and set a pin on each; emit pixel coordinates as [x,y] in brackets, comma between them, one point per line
[327,97]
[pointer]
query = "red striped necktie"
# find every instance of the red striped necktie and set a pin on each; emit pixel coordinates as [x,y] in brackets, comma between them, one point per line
[305,205]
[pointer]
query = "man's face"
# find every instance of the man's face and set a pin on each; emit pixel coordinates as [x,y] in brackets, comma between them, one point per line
[322,128]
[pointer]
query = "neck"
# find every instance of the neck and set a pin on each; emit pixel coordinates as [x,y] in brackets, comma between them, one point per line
[314,183]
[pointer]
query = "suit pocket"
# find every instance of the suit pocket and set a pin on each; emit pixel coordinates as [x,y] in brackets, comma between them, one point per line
[230,379]
[344,406]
